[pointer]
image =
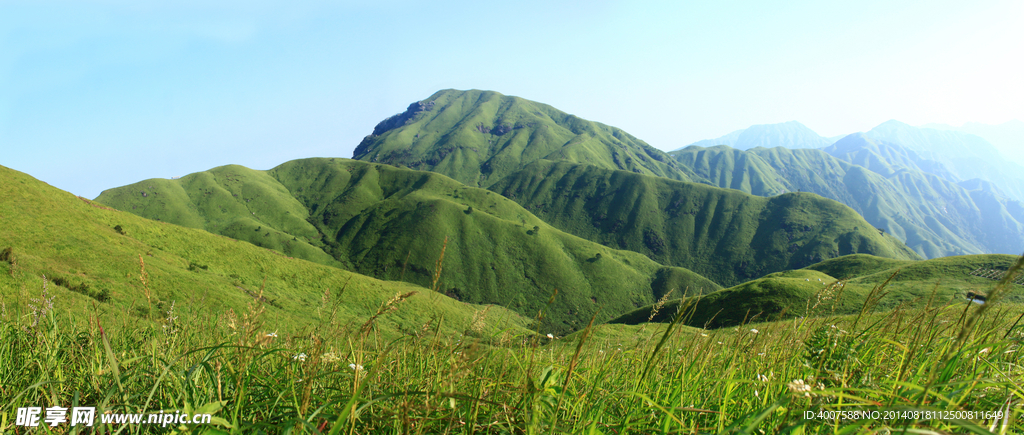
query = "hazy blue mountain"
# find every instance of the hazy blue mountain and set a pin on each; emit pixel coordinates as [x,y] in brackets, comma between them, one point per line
[883,157]
[729,139]
[932,215]
[1007,137]
[790,134]
[966,156]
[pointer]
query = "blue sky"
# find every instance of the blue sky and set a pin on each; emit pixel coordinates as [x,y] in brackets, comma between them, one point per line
[98,94]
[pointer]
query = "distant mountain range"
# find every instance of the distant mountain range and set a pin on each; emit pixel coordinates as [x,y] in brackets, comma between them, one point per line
[942,192]
[1007,137]
[933,216]
[966,156]
[957,154]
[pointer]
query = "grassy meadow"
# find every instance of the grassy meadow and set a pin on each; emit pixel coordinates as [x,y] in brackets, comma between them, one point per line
[336,377]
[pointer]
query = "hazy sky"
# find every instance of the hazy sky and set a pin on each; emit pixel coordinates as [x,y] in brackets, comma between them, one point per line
[96,95]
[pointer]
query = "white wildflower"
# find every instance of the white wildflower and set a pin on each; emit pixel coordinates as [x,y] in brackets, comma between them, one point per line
[754,330]
[355,367]
[299,357]
[798,386]
[551,336]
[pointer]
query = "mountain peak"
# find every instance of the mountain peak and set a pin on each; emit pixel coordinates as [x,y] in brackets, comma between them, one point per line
[892,124]
[789,134]
[478,137]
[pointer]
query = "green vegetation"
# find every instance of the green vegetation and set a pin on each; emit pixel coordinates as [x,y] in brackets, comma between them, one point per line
[479,137]
[798,293]
[725,235]
[932,215]
[655,378]
[394,223]
[152,317]
[855,265]
[157,270]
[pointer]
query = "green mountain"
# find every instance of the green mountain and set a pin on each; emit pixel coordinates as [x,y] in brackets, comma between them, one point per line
[726,235]
[816,290]
[126,270]
[393,223]
[790,134]
[479,137]
[965,155]
[933,216]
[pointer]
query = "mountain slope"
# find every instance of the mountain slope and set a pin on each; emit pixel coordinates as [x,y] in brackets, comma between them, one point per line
[479,137]
[790,134]
[93,259]
[815,291]
[726,235]
[392,223]
[882,157]
[932,215]
[965,155]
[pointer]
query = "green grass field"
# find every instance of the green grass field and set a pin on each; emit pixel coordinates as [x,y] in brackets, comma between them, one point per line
[607,379]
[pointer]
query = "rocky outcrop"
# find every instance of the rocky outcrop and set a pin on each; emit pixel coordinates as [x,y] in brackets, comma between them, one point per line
[401,119]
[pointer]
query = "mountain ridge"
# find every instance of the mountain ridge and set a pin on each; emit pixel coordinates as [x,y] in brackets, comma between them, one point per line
[931,214]
[396,223]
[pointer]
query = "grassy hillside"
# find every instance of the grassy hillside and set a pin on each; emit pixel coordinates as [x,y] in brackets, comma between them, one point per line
[726,235]
[855,265]
[816,289]
[478,137]
[130,270]
[393,223]
[933,216]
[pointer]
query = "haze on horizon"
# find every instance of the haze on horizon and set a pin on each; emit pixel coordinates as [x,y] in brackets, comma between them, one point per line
[100,94]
